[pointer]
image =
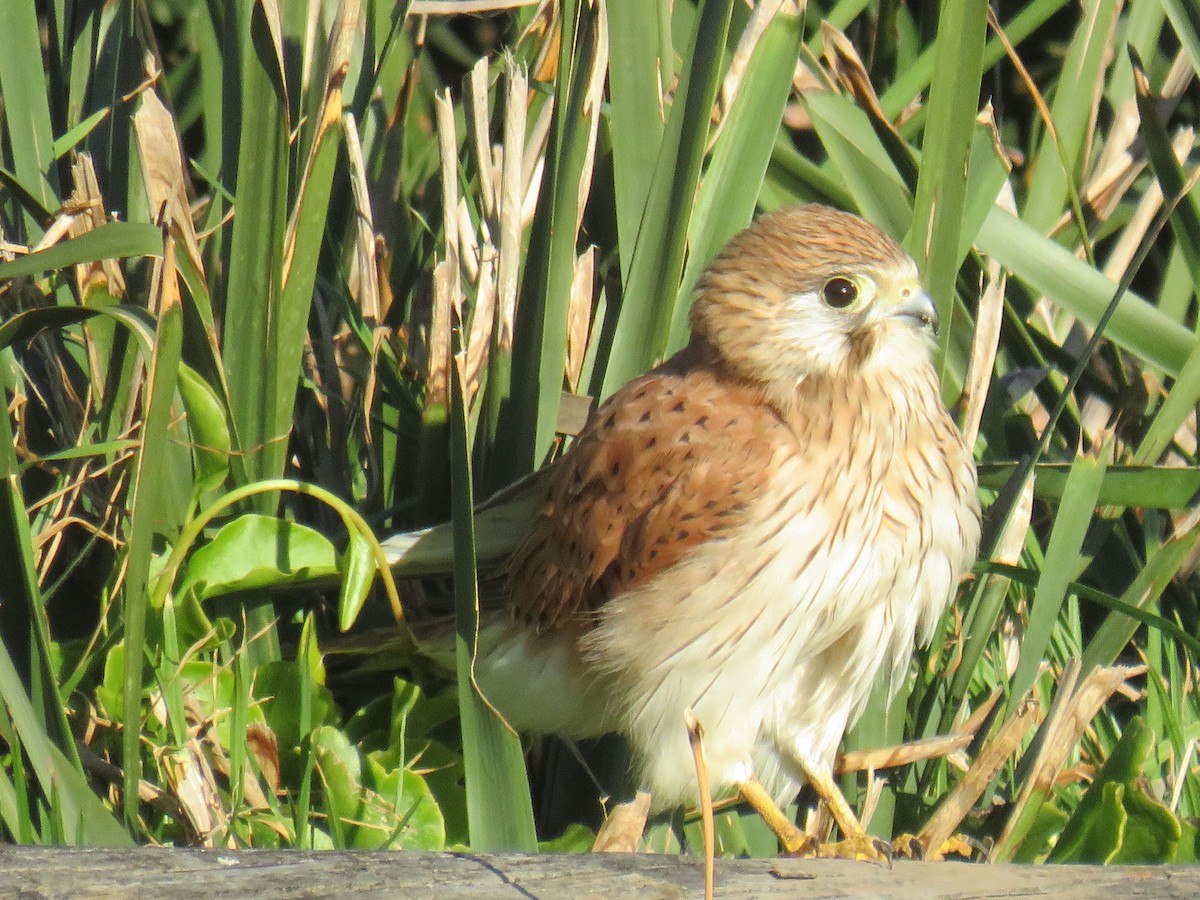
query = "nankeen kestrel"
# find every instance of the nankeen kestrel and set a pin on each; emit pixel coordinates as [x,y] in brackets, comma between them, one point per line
[750,531]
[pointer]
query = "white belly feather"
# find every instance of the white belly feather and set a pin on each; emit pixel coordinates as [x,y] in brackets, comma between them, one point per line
[778,660]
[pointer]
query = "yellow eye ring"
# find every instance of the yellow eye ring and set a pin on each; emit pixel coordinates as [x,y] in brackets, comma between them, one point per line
[839,292]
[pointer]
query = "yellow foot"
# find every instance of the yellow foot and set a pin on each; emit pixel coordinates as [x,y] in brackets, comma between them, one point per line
[794,841]
[860,846]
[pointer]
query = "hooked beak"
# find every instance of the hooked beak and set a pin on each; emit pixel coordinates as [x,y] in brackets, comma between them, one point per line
[919,310]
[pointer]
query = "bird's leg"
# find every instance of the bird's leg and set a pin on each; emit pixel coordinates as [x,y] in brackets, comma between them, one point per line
[792,839]
[623,827]
[855,843]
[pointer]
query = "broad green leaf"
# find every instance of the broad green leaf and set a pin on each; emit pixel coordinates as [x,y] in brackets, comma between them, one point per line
[575,839]
[1188,853]
[1047,825]
[1152,834]
[406,814]
[340,769]
[1116,822]
[210,687]
[358,574]
[254,552]
[209,430]
[293,706]
[377,807]
[1094,833]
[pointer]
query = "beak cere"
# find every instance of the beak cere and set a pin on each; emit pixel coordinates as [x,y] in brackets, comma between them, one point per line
[918,308]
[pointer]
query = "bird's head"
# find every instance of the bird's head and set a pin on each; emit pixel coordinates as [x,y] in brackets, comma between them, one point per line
[811,291]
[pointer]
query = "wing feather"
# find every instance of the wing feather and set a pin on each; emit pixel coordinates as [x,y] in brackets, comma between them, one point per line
[675,459]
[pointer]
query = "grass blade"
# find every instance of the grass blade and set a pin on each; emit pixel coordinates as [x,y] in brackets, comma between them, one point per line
[146,514]
[526,427]
[252,304]
[1063,150]
[635,122]
[941,195]
[116,240]
[1114,634]
[1061,564]
[1053,270]
[734,176]
[861,162]
[644,325]
[499,811]
[27,109]
[1185,19]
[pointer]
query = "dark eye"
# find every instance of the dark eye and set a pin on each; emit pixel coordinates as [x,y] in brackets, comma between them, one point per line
[840,292]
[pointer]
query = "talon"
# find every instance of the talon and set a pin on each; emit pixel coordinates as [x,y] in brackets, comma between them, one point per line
[886,849]
[862,846]
[909,846]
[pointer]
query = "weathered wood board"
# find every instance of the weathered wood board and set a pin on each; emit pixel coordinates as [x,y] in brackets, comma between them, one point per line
[261,875]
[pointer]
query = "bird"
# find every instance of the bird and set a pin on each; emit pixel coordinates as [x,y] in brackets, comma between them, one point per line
[750,532]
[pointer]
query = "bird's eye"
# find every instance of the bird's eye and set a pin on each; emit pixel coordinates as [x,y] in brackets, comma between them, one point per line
[840,292]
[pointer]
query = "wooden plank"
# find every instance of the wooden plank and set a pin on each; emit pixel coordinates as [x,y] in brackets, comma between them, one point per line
[265,874]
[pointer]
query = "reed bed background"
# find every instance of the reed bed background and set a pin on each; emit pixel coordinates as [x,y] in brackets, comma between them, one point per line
[280,277]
